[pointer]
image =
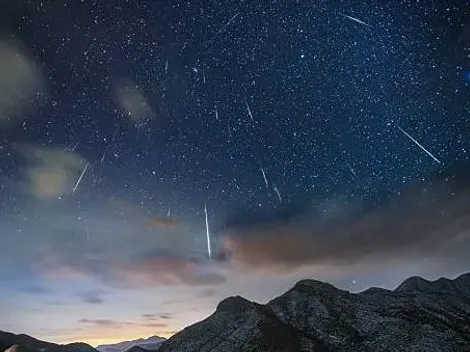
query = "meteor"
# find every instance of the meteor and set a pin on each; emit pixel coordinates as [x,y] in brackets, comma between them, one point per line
[264,176]
[80,178]
[357,20]
[249,111]
[419,145]
[278,193]
[207,233]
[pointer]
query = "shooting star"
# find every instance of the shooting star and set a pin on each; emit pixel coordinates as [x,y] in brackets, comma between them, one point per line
[216,114]
[357,20]
[278,193]
[229,130]
[249,111]
[104,154]
[74,147]
[166,66]
[236,184]
[107,146]
[264,176]
[419,145]
[80,178]
[207,233]
[168,214]
[227,24]
[352,170]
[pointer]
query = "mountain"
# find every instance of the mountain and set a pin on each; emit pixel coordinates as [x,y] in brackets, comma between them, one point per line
[137,349]
[25,343]
[419,315]
[150,344]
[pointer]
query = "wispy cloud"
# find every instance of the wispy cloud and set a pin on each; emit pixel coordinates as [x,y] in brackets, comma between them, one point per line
[50,172]
[22,81]
[423,222]
[93,297]
[209,292]
[145,271]
[157,316]
[36,290]
[132,100]
[108,323]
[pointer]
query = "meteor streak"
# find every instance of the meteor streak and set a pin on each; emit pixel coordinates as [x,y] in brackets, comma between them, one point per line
[264,176]
[352,171]
[249,111]
[227,24]
[80,178]
[104,154]
[278,193]
[207,233]
[357,20]
[419,145]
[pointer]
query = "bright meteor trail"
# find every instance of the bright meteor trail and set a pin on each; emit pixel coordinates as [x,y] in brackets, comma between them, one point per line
[264,177]
[419,145]
[207,233]
[80,178]
[357,20]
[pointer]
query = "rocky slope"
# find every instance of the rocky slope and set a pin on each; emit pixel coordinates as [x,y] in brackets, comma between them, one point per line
[419,315]
[25,343]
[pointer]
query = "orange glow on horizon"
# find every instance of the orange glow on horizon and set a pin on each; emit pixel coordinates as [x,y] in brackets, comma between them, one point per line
[96,341]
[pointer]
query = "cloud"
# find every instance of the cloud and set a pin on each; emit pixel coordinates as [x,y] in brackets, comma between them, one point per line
[141,272]
[209,292]
[92,297]
[166,270]
[21,83]
[36,290]
[431,221]
[156,316]
[149,316]
[107,323]
[132,100]
[163,223]
[50,172]
[99,322]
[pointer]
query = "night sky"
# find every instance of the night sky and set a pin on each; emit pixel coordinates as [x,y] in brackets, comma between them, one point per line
[326,140]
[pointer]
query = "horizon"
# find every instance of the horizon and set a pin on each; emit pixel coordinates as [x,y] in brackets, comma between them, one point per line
[156,157]
[99,342]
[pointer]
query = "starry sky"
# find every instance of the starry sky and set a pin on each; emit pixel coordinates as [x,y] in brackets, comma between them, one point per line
[305,139]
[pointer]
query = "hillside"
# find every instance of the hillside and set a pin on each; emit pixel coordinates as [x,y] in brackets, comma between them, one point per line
[419,315]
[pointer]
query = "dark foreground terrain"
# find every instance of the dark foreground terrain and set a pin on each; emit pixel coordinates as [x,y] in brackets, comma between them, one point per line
[25,343]
[419,315]
[314,316]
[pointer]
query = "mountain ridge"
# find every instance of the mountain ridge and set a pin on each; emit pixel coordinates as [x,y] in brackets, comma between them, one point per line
[26,343]
[150,344]
[418,315]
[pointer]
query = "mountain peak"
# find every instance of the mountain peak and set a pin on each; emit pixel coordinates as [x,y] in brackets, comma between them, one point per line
[315,287]
[234,304]
[414,283]
[149,343]
[316,316]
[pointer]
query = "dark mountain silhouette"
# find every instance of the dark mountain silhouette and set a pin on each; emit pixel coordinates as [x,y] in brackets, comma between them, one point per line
[419,315]
[149,344]
[137,349]
[25,343]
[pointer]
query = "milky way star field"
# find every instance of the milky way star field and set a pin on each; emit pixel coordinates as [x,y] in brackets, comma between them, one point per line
[159,156]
